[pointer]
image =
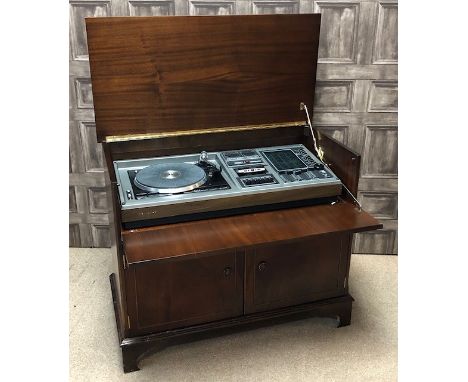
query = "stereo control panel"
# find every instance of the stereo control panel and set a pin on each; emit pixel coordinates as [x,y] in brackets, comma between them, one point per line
[275,165]
[228,174]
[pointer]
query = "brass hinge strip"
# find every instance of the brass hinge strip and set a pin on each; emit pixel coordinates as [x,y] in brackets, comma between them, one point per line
[166,134]
[124,258]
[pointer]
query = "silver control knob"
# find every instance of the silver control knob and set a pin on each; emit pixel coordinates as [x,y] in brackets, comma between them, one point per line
[203,156]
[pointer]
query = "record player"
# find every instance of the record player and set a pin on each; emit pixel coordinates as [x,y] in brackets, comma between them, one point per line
[184,187]
[228,209]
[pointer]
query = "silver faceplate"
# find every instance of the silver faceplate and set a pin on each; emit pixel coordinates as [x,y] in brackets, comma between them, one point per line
[122,166]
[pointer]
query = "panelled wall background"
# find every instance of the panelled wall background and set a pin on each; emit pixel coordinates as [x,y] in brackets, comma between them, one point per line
[356,101]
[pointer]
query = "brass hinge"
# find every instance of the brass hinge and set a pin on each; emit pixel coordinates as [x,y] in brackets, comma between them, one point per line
[179,133]
[124,258]
[345,282]
[356,202]
[128,321]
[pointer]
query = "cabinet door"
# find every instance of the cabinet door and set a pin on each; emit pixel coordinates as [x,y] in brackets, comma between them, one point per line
[297,272]
[173,293]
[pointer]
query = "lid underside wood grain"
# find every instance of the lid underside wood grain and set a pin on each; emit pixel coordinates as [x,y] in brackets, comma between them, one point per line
[153,75]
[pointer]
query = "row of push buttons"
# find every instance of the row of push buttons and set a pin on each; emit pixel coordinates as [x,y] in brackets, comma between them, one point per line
[298,177]
[308,160]
[258,180]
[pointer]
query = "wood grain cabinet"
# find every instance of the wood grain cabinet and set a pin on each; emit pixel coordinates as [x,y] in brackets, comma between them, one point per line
[199,278]
[188,290]
[294,273]
[185,291]
[182,281]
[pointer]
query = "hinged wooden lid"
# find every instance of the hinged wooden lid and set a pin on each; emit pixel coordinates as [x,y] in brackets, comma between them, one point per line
[158,76]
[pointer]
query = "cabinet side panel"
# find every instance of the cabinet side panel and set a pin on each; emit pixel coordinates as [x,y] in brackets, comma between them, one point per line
[344,162]
[347,246]
[117,256]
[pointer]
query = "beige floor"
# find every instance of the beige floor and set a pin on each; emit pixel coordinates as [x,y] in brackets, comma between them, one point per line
[307,350]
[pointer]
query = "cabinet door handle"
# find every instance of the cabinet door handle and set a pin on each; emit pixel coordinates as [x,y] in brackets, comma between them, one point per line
[262,266]
[227,271]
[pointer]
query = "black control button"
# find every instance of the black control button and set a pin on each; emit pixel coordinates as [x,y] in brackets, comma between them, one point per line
[288,178]
[258,180]
[301,170]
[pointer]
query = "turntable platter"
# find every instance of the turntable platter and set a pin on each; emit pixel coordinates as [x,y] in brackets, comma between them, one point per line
[170,178]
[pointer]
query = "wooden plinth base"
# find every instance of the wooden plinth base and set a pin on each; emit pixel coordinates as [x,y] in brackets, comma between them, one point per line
[136,348]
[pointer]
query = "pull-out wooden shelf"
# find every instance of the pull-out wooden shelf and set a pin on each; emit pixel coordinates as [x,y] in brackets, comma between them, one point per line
[218,234]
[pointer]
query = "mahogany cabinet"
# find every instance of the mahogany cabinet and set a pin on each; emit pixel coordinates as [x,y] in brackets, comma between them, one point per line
[178,282]
[184,281]
[188,290]
[172,293]
[181,85]
[280,275]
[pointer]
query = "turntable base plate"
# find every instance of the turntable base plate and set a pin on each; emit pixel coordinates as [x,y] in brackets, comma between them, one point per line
[170,178]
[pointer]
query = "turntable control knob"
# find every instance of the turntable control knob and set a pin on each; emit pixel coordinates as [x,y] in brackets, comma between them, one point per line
[262,266]
[203,156]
